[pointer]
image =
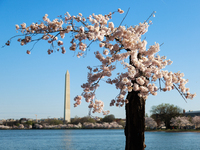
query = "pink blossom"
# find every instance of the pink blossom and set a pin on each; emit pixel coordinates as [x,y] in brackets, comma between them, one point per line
[120,11]
[28,52]
[140,81]
[136,87]
[17,27]
[60,43]
[101,44]
[145,67]
[105,52]
[63,50]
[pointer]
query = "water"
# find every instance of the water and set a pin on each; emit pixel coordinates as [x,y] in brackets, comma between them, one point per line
[95,139]
[62,139]
[172,140]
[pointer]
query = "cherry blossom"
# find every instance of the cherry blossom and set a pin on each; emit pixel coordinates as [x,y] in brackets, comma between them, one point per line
[150,123]
[117,43]
[180,121]
[196,121]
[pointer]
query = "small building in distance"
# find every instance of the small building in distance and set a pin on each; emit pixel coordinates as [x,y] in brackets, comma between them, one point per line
[191,113]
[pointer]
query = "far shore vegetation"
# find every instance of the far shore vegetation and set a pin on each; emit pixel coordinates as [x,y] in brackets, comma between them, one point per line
[164,117]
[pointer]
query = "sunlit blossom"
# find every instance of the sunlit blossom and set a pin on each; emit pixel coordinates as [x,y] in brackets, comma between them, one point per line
[117,44]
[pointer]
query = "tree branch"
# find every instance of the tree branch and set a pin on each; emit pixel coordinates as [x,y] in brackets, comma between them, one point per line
[124,17]
[149,16]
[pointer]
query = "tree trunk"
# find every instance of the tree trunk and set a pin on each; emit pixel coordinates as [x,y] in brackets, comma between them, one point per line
[135,122]
[167,124]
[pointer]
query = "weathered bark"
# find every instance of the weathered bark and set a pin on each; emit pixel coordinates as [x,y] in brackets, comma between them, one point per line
[135,122]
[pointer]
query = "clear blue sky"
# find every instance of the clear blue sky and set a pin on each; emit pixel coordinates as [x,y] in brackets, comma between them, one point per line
[34,84]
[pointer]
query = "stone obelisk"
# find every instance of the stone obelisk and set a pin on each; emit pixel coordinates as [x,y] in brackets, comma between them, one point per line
[67,98]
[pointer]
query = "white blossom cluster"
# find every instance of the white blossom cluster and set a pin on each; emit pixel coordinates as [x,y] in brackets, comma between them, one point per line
[150,123]
[180,121]
[196,121]
[118,43]
[104,125]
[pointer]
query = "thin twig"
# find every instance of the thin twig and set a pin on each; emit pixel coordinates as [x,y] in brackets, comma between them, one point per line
[35,43]
[124,17]
[121,22]
[161,44]
[180,93]
[159,84]
[90,43]
[149,16]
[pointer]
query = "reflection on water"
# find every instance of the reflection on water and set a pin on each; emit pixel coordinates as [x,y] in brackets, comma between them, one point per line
[67,139]
[95,139]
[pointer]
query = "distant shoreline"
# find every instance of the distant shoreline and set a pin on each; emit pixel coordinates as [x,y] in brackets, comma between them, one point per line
[174,130]
[69,129]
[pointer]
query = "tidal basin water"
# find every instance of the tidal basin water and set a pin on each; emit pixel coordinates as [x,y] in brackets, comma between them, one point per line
[94,139]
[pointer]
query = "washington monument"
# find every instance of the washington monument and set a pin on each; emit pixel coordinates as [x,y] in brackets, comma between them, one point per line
[67,98]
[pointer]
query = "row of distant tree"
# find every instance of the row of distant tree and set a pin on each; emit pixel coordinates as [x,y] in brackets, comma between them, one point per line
[177,122]
[162,115]
[108,118]
[170,116]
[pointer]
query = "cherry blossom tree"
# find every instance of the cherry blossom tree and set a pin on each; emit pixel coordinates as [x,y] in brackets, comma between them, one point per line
[150,123]
[176,122]
[196,121]
[161,124]
[180,121]
[118,43]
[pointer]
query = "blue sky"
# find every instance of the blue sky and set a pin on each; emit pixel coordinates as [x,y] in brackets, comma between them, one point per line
[34,84]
